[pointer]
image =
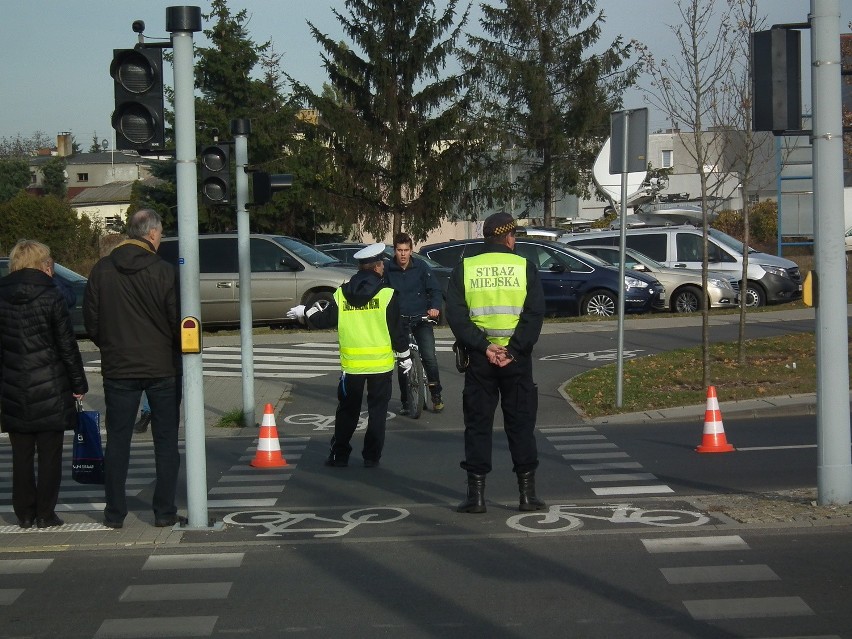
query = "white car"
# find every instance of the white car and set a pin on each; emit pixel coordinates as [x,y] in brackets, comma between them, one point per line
[683,287]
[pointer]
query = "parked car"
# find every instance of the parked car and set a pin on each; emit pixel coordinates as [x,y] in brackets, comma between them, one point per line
[344,252]
[575,283]
[683,288]
[284,272]
[75,282]
[771,279]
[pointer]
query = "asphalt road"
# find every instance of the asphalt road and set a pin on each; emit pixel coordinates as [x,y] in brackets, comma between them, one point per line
[322,552]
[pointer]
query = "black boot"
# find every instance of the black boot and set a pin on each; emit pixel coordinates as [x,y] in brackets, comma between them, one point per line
[526,486]
[475,502]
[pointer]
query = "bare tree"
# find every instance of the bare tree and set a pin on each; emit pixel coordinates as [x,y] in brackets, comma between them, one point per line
[745,22]
[689,88]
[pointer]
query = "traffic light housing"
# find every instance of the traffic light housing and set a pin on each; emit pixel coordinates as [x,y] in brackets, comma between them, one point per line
[216,174]
[264,185]
[138,84]
[776,80]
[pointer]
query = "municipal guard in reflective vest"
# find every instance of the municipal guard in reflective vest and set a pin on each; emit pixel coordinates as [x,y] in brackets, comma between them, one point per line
[371,338]
[495,308]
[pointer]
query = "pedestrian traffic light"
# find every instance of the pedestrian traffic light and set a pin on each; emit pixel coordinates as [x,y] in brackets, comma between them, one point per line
[138,83]
[776,81]
[264,185]
[216,174]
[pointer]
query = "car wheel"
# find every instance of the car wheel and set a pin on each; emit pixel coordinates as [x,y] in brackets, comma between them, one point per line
[324,298]
[755,296]
[601,303]
[687,300]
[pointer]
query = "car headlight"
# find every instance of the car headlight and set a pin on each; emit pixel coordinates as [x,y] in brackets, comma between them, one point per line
[719,283]
[632,282]
[775,270]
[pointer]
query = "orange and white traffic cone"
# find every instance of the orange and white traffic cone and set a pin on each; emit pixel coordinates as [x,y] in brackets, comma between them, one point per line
[714,440]
[268,453]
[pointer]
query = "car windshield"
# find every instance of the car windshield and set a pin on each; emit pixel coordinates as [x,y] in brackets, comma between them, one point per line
[729,241]
[68,274]
[644,259]
[307,252]
[588,258]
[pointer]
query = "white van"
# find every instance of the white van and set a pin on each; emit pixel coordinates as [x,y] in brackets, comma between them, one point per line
[771,279]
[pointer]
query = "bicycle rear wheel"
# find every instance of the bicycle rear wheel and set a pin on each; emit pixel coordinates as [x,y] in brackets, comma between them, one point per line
[416,386]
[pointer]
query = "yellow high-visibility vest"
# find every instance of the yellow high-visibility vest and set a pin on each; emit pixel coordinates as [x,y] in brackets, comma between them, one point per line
[365,343]
[495,287]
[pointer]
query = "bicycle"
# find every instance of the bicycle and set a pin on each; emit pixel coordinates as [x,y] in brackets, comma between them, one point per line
[417,385]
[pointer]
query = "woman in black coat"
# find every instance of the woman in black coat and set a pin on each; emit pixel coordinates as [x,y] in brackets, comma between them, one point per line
[41,376]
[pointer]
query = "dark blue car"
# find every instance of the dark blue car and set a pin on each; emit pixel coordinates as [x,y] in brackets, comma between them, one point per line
[575,283]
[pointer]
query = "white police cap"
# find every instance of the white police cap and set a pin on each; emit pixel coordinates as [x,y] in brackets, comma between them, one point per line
[371,253]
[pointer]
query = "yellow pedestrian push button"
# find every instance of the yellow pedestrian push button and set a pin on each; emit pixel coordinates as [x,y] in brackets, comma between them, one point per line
[190,335]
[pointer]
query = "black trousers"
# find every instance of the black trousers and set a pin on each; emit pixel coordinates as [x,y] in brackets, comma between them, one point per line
[513,387]
[36,497]
[350,392]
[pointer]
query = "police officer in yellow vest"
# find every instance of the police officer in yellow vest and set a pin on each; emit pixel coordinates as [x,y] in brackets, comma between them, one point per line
[372,338]
[495,308]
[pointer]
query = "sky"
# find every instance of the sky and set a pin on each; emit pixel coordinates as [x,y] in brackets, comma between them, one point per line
[55,54]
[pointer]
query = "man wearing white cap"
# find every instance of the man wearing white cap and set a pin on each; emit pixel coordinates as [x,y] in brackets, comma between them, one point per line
[371,338]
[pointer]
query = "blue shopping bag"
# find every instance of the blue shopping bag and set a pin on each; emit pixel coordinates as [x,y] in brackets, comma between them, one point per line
[87,459]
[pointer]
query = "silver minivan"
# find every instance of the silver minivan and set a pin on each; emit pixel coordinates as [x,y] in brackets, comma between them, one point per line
[284,272]
[771,279]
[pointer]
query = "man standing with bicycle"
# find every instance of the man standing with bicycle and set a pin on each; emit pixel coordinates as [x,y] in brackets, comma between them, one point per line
[419,295]
[495,308]
[371,337]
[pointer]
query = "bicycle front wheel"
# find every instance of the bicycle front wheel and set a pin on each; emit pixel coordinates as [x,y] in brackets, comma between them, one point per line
[416,386]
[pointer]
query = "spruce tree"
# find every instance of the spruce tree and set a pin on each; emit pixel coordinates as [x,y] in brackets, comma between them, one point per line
[545,97]
[391,120]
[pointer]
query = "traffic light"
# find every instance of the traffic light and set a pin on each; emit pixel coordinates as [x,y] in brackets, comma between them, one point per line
[216,174]
[138,83]
[264,185]
[776,81]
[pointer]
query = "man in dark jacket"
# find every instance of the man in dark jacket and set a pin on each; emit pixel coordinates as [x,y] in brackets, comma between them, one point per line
[131,313]
[371,337]
[41,373]
[495,308]
[419,295]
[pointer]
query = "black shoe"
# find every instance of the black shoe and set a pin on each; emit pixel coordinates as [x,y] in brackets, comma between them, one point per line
[437,403]
[113,524]
[25,523]
[142,425]
[49,522]
[336,462]
[405,410]
[475,502]
[371,463]
[166,522]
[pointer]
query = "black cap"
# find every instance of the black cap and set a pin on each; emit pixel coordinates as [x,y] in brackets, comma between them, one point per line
[498,224]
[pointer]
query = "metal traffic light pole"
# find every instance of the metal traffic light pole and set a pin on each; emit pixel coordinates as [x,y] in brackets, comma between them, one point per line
[240,129]
[834,463]
[181,22]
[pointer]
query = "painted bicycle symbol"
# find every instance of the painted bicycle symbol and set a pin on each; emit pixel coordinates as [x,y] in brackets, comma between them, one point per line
[279,522]
[325,422]
[606,355]
[561,518]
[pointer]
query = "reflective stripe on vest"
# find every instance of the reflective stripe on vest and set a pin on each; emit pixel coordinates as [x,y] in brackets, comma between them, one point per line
[365,343]
[495,287]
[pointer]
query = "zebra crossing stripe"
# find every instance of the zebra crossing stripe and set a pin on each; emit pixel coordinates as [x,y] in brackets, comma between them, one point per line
[695,544]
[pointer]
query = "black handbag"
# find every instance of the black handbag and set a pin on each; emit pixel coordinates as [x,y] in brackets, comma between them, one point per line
[87,459]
